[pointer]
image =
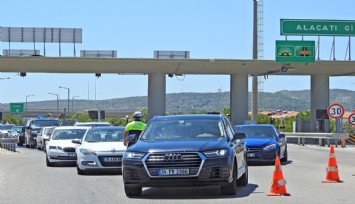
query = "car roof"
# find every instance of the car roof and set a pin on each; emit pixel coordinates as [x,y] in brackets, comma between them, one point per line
[260,125]
[92,123]
[108,127]
[189,116]
[71,127]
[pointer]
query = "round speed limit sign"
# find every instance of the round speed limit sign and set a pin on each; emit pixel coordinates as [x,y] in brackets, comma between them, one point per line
[352,119]
[335,111]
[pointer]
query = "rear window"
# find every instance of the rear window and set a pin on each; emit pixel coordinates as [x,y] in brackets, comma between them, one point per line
[68,134]
[105,135]
[45,123]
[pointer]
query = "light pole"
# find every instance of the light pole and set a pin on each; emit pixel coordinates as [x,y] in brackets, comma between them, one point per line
[72,103]
[62,87]
[26,100]
[57,100]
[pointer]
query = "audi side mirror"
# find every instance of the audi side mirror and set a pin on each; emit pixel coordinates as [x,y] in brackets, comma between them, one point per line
[131,138]
[239,136]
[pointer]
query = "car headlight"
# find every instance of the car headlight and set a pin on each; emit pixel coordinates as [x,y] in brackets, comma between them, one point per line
[217,153]
[269,147]
[88,152]
[55,147]
[134,155]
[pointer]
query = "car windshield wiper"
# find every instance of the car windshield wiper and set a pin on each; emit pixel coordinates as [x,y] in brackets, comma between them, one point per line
[92,141]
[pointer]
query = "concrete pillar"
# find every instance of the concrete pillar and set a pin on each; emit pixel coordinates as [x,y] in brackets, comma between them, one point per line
[319,99]
[156,94]
[239,98]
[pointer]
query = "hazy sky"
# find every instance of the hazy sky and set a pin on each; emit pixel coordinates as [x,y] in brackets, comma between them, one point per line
[220,29]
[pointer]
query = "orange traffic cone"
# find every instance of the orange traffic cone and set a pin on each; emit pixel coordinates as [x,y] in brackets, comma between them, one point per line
[278,187]
[332,169]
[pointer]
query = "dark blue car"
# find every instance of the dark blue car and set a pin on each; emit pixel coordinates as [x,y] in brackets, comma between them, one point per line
[263,142]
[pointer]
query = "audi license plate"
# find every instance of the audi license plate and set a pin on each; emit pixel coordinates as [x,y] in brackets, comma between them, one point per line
[251,154]
[168,172]
[112,159]
[71,154]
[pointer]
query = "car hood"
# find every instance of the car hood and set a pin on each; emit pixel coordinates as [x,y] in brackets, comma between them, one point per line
[103,146]
[61,143]
[259,141]
[180,146]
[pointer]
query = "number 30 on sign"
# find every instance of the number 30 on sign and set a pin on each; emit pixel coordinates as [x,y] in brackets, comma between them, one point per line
[352,119]
[336,111]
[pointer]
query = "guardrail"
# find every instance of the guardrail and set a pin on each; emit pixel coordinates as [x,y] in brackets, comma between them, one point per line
[9,143]
[301,136]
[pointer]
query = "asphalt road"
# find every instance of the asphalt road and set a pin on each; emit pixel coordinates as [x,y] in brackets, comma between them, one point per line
[25,178]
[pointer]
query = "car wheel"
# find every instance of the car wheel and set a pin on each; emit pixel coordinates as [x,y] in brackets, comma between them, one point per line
[49,164]
[231,188]
[80,172]
[243,180]
[132,191]
[285,158]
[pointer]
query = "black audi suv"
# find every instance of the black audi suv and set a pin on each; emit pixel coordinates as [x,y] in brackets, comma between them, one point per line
[186,150]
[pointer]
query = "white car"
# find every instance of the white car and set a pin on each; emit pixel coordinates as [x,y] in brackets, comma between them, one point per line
[43,136]
[101,148]
[60,149]
[92,124]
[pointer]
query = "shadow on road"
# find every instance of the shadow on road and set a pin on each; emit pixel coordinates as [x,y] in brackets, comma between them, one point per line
[195,192]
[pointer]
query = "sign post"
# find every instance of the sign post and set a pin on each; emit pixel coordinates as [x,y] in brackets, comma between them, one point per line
[295,51]
[317,27]
[336,111]
[351,119]
[16,107]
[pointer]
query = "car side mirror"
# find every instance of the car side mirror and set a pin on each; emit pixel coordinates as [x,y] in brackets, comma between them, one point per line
[76,141]
[131,138]
[239,136]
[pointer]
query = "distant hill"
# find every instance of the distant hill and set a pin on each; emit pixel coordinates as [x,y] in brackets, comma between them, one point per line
[190,102]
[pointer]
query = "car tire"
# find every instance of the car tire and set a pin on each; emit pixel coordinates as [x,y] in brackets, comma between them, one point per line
[49,164]
[243,180]
[132,191]
[80,172]
[285,158]
[231,188]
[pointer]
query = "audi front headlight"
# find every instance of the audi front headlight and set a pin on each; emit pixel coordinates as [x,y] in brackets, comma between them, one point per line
[134,155]
[216,153]
[269,147]
[87,152]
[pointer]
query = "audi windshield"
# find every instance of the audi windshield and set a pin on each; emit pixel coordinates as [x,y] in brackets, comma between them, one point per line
[189,129]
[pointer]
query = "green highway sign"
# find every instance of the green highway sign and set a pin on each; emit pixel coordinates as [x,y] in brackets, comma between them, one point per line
[295,51]
[16,107]
[317,27]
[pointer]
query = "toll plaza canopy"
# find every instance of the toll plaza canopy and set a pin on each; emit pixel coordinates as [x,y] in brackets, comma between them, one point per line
[41,64]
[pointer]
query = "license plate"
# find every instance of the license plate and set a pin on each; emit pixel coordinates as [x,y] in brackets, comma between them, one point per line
[112,159]
[167,172]
[71,154]
[251,154]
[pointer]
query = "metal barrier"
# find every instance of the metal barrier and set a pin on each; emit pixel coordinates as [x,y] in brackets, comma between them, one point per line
[301,136]
[9,143]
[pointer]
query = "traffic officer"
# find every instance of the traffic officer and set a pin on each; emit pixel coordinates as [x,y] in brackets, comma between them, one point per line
[135,127]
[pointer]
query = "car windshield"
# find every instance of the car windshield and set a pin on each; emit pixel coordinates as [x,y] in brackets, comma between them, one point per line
[184,129]
[105,135]
[48,130]
[16,129]
[68,134]
[257,131]
[6,127]
[45,123]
